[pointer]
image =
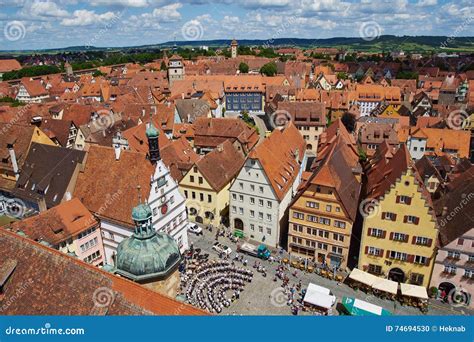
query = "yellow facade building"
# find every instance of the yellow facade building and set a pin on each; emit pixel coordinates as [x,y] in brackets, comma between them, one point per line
[206,185]
[399,230]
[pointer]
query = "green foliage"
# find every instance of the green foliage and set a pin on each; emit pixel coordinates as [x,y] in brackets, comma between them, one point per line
[362,155]
[269,69]
[13,102]
[243,68]
[342,75]
[98,73]
[268,53]
[163,66]
[407,75]
[31,72]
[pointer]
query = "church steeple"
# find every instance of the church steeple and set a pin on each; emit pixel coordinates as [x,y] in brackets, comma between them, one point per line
[152,135]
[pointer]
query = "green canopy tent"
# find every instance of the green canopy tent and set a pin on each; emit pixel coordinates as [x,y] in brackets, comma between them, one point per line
[357,307]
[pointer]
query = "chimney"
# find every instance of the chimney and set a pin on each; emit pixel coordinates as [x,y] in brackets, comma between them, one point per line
[220,148]
[182,96]
[143,112]
[13,160]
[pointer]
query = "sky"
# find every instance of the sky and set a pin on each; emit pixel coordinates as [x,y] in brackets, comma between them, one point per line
[41,24]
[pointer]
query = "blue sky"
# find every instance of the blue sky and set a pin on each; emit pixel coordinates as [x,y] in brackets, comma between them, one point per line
[35,24]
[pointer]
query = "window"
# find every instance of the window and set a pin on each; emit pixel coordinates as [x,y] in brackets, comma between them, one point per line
[269,231]
[269,204]
[234,197]
[450,269]
[378,233]
[460,242]
[234,209]
[469,274]
[193,195]
[389,216]
[241,185]
[399,237]
[201,196]
[325,221]
[337,250]
[338,209]
[339,224]
[411,219]
[403,199]
[310,204]
[312,218]
[209,198]
[241,198]
[375,269]
[252,200]
[186,193]
[241,211]
[200,180]
[260,215]
[191,179]
[252,213]
[338,237]
[252,227]
[454,255]
[260,189]
[328,208]
[269,217]
[260,202]
[155,211]
[260,229]
[420,260]
[470,258]
[374,251]
[322,246]
[416,279]
[299,216]
[398,255]
[252,187]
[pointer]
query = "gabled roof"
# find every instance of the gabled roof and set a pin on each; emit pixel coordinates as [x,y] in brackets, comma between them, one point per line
[280,155]
[221,165]
[334,170]
[47,172]
[179,157]
[57,224]
[62,285]
[457,201]
[113,181]
[9,65]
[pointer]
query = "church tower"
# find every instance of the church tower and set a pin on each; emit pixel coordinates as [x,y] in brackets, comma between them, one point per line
[152,135]
[176,70]
[233,48]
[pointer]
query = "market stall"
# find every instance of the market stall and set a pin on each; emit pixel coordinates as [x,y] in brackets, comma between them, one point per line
[360,279]
[414,295]
[319,297]
[385,288]
[357,307]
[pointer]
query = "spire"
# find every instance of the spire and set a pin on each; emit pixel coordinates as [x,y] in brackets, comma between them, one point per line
[142,216]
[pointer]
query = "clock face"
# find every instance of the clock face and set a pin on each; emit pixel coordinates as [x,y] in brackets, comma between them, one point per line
[164,209]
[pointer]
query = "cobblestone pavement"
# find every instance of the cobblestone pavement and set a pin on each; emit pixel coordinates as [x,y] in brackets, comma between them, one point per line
[263,296]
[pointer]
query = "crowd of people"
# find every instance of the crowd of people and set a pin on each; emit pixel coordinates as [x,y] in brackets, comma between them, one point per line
[207,286]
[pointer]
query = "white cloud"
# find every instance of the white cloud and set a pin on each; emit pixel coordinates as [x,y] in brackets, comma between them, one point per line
[168,14]
[85,17]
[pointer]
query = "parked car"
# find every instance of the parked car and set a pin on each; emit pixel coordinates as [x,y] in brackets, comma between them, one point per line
[195,229]
[220,248]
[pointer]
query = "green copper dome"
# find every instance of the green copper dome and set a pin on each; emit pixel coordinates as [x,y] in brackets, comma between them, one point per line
[151,258]
[141,212]
[151,131]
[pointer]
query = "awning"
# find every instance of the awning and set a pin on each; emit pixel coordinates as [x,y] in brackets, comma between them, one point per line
[363,277]
[414,291]
[385,285]
[319,296]
[357,307]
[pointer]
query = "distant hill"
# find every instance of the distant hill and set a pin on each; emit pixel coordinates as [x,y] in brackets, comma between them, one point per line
[385,42]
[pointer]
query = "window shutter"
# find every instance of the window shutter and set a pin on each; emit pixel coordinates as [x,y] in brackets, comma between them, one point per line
[384,234]
[383,215]
[391,235]
[417,220]
[369,231]
[430,242]
[408,200]
[411,258]
[366,249]
[394,217]
[387,255]
[405,219]
[406,237]
[398,199]
[427,263]
[413,240]
[380,253]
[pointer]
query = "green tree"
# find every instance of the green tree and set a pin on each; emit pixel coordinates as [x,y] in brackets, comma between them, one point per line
[269,69]
[163,66]
[243,68]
